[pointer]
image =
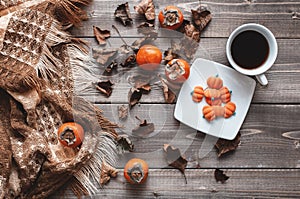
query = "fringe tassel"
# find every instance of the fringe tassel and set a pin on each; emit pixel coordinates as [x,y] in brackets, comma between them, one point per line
[49,65]
[82,69]
[89,175]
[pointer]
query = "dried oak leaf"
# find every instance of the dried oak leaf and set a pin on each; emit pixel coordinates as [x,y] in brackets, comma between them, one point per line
[103,56]
[111,69]
[105,87]
[143,129]
[225,146]
[220,176]
[101,35]
[147,8]
[169,95]
[201,17]
[134,96]
[107,172]
[122,112]
[123,14]
[175,159]
[125,143]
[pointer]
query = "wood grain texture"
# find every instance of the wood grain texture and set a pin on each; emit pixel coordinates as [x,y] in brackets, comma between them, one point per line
[266,164]
[243,183]
[262,144]
[227,15]
[283,77]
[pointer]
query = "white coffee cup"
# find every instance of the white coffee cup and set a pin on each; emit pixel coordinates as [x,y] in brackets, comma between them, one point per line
[273,51]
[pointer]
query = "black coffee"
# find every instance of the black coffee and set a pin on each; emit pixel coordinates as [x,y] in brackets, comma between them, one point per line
[249,49]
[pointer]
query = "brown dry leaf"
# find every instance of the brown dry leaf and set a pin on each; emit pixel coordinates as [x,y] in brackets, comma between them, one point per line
[123,14]
[220,176]
[169,95]
[146,7]
[134,96]
[191,31]
[175,159]
[123,112]
[143,129]
[125,143]
[130,61]
[105,87]
[201,17]
[111,69]
[225,146]
[185,48]
[169,55]
[147,29]
[101,35]
[141,82]
[103,56]
[142,41]
[107,172]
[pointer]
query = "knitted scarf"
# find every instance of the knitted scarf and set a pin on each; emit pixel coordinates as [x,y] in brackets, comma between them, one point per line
[41,72]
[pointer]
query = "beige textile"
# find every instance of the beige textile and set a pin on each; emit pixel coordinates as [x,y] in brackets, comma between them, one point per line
[39,63]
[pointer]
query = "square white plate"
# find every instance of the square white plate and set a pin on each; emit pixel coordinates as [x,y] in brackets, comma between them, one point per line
[190,113]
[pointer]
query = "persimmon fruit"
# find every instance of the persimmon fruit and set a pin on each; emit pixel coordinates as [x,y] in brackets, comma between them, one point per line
[70,134]
[170,17]
[149,57]
[177,70]
[136,171]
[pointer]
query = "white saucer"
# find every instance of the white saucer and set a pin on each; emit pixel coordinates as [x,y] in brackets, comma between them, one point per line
[190,113]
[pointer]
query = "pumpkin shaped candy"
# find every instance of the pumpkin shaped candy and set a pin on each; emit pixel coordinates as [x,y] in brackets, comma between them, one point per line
[229,109]
[225,94]
[214,82]
[197,94]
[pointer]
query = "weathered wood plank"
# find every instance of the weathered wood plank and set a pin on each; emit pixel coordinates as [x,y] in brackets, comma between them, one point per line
[262,144]
[243,183]
[276,15]
[283,77]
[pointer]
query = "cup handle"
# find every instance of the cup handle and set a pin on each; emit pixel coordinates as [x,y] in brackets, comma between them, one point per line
[262,79]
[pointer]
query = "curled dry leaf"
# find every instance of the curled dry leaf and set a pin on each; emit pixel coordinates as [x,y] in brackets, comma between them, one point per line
[142,41]
[185,48]
[143,129]
[141,82]
[170,54]
[147,8]
[130,61]
[134,96]
[175,159]
[107,172]
[111,69]
[169,95]
[103,56]
[122,112]
[101,35]
[123,14]
[147,29]
[201,17]
[124,143]
[105,87]
[220,176]
[191,31]
[225,146]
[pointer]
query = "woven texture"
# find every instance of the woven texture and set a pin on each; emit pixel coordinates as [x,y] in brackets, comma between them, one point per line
[39,64]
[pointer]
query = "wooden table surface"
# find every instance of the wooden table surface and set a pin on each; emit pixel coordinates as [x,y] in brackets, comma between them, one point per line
[266,164]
